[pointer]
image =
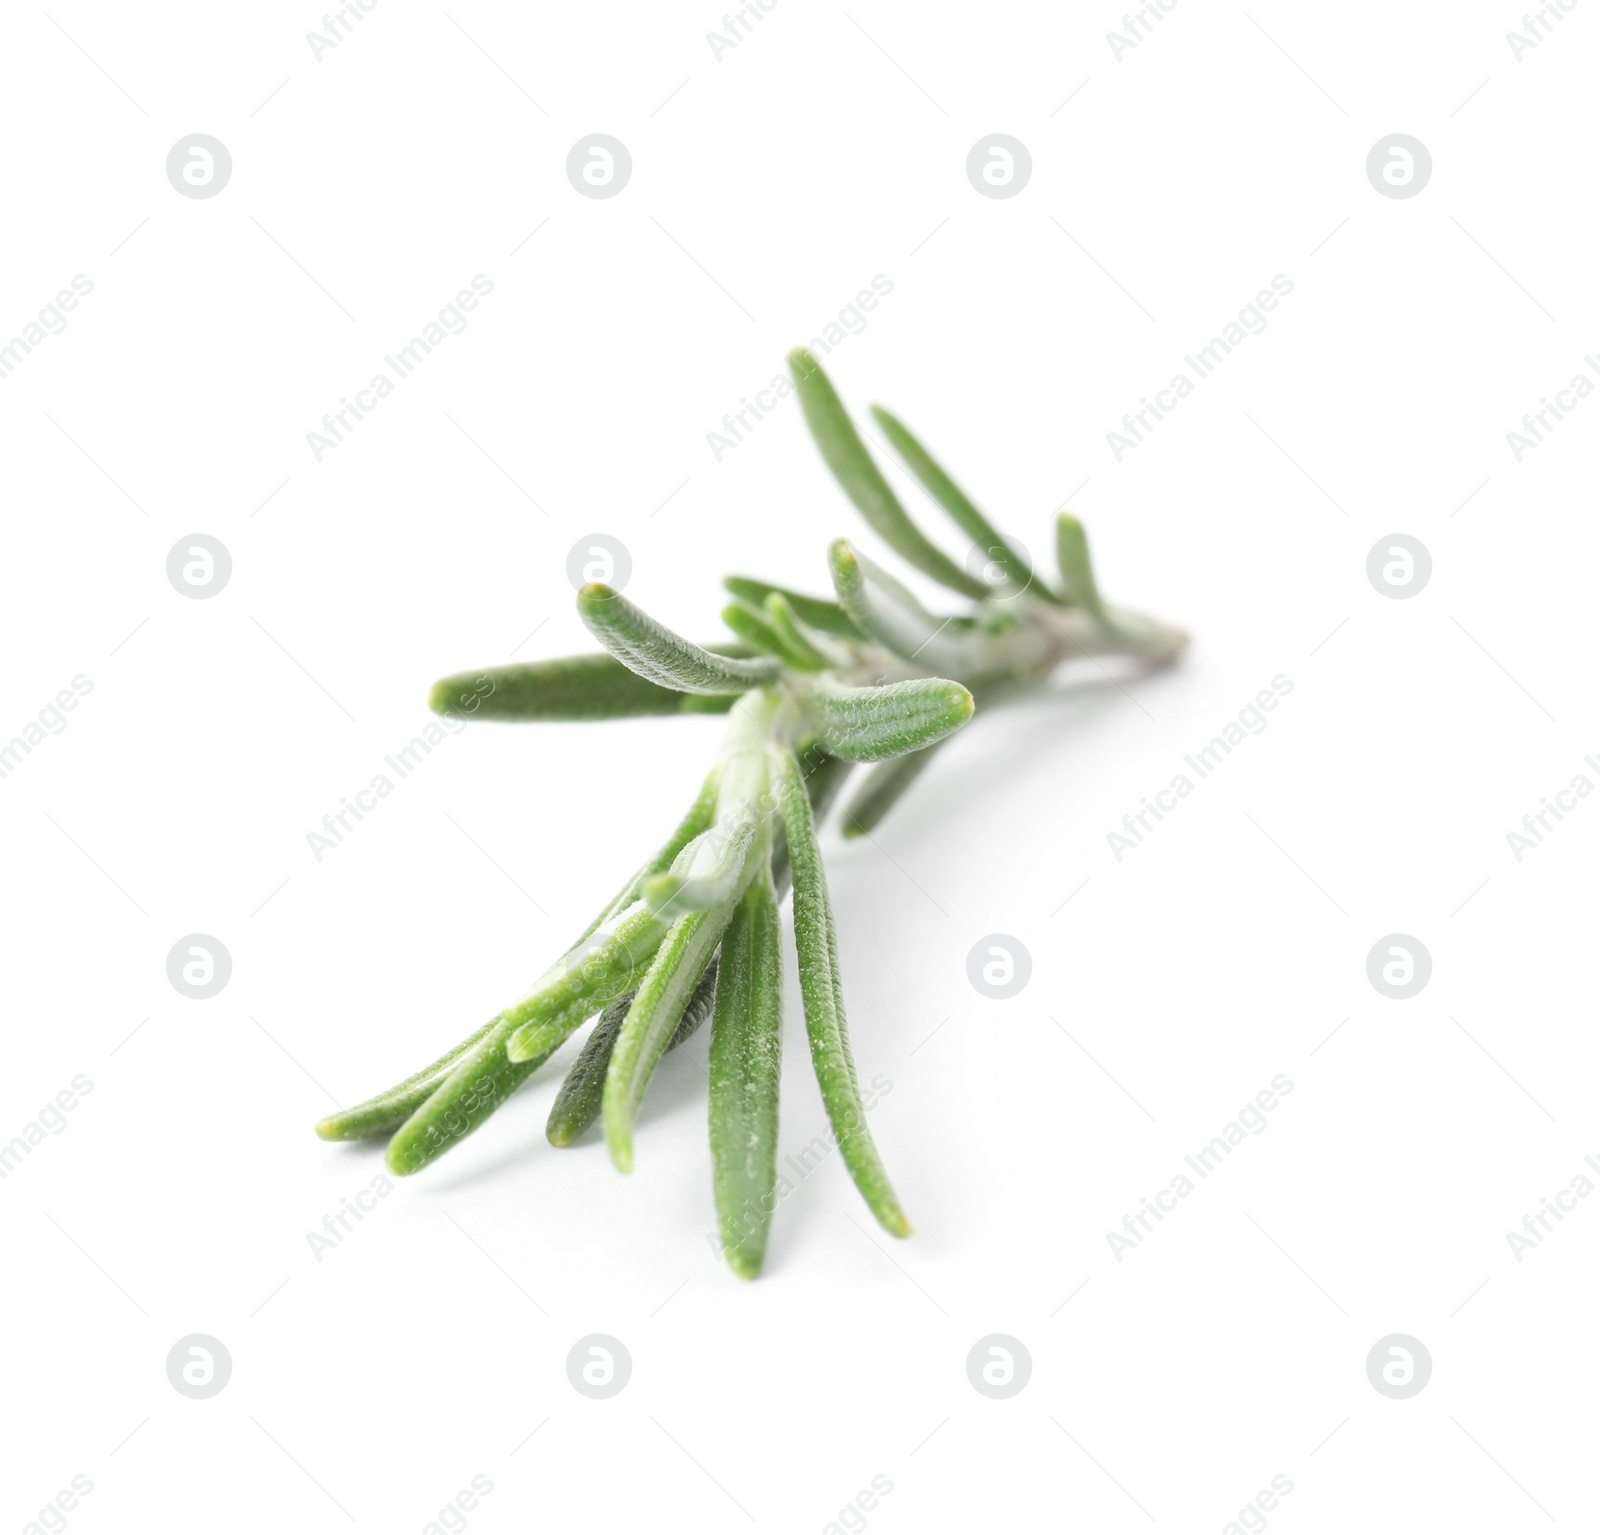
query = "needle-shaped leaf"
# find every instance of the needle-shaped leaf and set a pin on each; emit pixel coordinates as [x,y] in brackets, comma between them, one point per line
[577,1105]
[819,612]
[663,995]
[479,1073]
[695,820]
[592,973]
[888,613]
[482,1080]
[808,654]
[1010,564]
[711,868]
[869,724]
[756,629]
[388,1111]
[746,1055]
[1077,571]
[656,653]
[823,996]
[881,788]
[628,948]
[615,949]
[594,687]
[853,466]
[824,777]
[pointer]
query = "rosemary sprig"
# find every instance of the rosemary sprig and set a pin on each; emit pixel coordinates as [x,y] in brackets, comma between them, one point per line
[810,686]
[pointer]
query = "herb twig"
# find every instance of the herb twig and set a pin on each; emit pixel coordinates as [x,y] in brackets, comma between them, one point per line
[811,685]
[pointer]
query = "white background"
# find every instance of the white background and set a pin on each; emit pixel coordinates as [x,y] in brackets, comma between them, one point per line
[768,187]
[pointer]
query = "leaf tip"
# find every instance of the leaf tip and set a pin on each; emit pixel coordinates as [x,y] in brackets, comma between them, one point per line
[517,1050]
[743,1265]
[1068,518]
[397,1159]
[659,890]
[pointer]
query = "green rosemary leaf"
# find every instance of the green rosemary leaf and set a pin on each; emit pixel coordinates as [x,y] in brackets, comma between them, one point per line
[483,1079]
[616,952]
[663,996]
[883,787]
[888,613]
[480,1071]
[696,819]
[888,780]
[869,724]
[388,1111]
[823,996]
[806,654]
[710,872]
[1077,572]
[592,687]
[1017,573]
[824,777]
[633,946]
[758,630]
[821,614]
[746,1056]
[847,456]
[699,1008]
[577,1105]
[592,973]
[656,653]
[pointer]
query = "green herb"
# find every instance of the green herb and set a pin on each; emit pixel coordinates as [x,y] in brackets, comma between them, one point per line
[824,1001]
[810,686]
[746,1056]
